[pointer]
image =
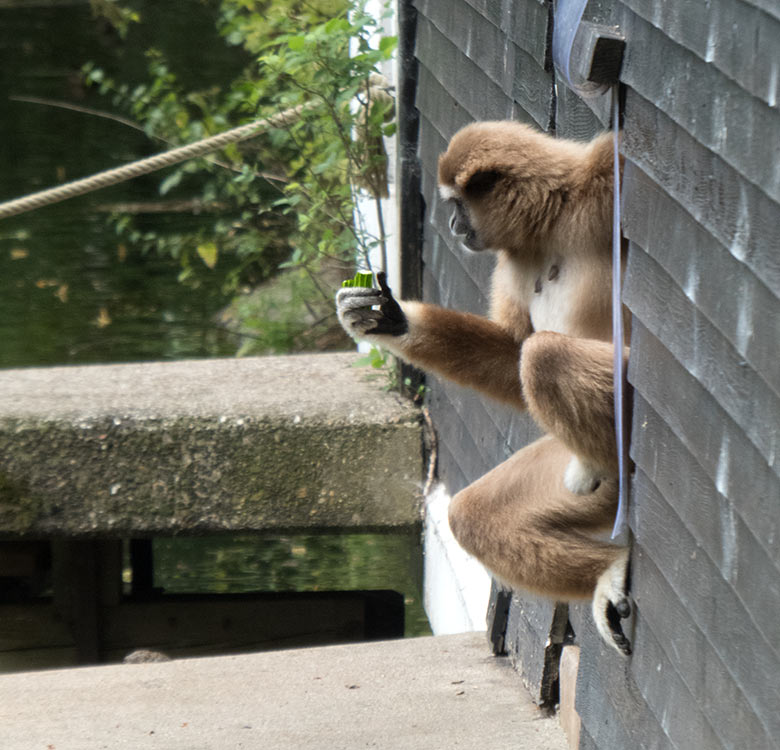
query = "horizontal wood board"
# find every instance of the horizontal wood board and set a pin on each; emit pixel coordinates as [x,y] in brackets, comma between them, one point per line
[709,32]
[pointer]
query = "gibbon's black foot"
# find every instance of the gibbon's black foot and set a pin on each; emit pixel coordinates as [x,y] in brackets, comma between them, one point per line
[358,313]
[615,613]
[623,608]
[611,604]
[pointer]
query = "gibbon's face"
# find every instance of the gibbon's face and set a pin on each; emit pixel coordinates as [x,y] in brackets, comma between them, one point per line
[471,209]
[470,181]
[505,184]
[462,228]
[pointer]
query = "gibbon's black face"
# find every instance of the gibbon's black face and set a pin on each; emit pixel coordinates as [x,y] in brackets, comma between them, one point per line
[461,227]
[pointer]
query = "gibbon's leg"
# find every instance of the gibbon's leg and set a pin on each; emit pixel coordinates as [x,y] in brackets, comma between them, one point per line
[522,523]
[568,385]
[465,348]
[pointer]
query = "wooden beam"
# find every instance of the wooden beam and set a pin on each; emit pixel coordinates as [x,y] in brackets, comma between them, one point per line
[597,54]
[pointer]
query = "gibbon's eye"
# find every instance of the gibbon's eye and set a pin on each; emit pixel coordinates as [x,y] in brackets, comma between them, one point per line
[481,183]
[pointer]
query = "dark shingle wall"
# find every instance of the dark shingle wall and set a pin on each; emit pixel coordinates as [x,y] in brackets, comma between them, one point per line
[701,210]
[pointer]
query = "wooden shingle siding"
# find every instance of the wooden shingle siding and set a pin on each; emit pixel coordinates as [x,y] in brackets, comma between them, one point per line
[681,689]
[703,351]
[578,118]
[729,460]
[706,631]
[454,70]
[644,705]
[701,211]
[486,72]
[711,519]
[749,318]
[710,31]
[735,212]
[533,622]
[712,107]
[700,197]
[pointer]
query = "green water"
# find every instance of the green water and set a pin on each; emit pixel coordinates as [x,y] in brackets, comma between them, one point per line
[298,562]
[72,293]
[70,290]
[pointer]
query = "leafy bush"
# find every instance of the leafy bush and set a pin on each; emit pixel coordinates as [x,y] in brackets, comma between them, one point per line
[285,200]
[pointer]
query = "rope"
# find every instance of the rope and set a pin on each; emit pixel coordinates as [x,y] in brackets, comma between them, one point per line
[145,166]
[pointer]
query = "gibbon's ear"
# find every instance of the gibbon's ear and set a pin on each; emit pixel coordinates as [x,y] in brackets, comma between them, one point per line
[480,183]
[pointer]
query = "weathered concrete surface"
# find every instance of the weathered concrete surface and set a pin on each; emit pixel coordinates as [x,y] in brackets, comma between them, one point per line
[418,694]
[238,444]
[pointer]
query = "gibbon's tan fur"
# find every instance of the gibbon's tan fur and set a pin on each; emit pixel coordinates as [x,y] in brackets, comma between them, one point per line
[523,526]
[544,205]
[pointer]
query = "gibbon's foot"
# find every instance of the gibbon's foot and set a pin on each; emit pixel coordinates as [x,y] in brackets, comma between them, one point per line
[580,478]
[611,605]
[356,310]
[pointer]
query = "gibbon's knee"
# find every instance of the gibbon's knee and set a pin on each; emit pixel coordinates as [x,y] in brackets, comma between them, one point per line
[463,516]
[568,385]
[529,551]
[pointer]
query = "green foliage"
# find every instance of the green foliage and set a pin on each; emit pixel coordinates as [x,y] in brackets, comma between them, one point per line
[378,359]
[288,313]
[120,18]
[286,198]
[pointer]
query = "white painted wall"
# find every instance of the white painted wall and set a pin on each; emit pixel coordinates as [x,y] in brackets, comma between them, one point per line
[456,587]
[365,209]
[366,217]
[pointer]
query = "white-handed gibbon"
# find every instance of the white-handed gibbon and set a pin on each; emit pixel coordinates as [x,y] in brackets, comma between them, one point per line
[544,205]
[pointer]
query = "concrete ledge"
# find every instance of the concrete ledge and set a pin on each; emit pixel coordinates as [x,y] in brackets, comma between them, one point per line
[417,694]
[202,446]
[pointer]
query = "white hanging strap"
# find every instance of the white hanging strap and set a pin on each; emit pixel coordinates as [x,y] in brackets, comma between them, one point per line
[568,16]
[618,365]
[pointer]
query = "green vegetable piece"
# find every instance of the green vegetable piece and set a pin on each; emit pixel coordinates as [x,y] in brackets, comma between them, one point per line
[360,280]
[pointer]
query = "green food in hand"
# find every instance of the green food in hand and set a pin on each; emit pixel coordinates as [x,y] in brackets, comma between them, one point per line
[361,280]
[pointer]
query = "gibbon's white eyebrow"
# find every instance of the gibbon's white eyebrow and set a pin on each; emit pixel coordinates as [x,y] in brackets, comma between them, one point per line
[448,193]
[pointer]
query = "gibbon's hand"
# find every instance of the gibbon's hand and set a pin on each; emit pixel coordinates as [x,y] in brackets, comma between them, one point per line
[355,307]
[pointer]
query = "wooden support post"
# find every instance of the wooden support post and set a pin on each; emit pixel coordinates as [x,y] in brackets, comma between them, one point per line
[497,618]
[570,719]
[86,576]
[75,594]
[142,563]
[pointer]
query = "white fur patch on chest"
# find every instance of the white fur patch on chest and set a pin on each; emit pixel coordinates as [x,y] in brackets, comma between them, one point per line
[550,305]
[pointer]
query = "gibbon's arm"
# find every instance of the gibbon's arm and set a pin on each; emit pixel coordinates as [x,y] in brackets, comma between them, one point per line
[465,348]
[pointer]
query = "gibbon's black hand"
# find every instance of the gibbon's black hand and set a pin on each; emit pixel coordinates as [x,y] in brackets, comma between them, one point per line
[366,311]
[392,320]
